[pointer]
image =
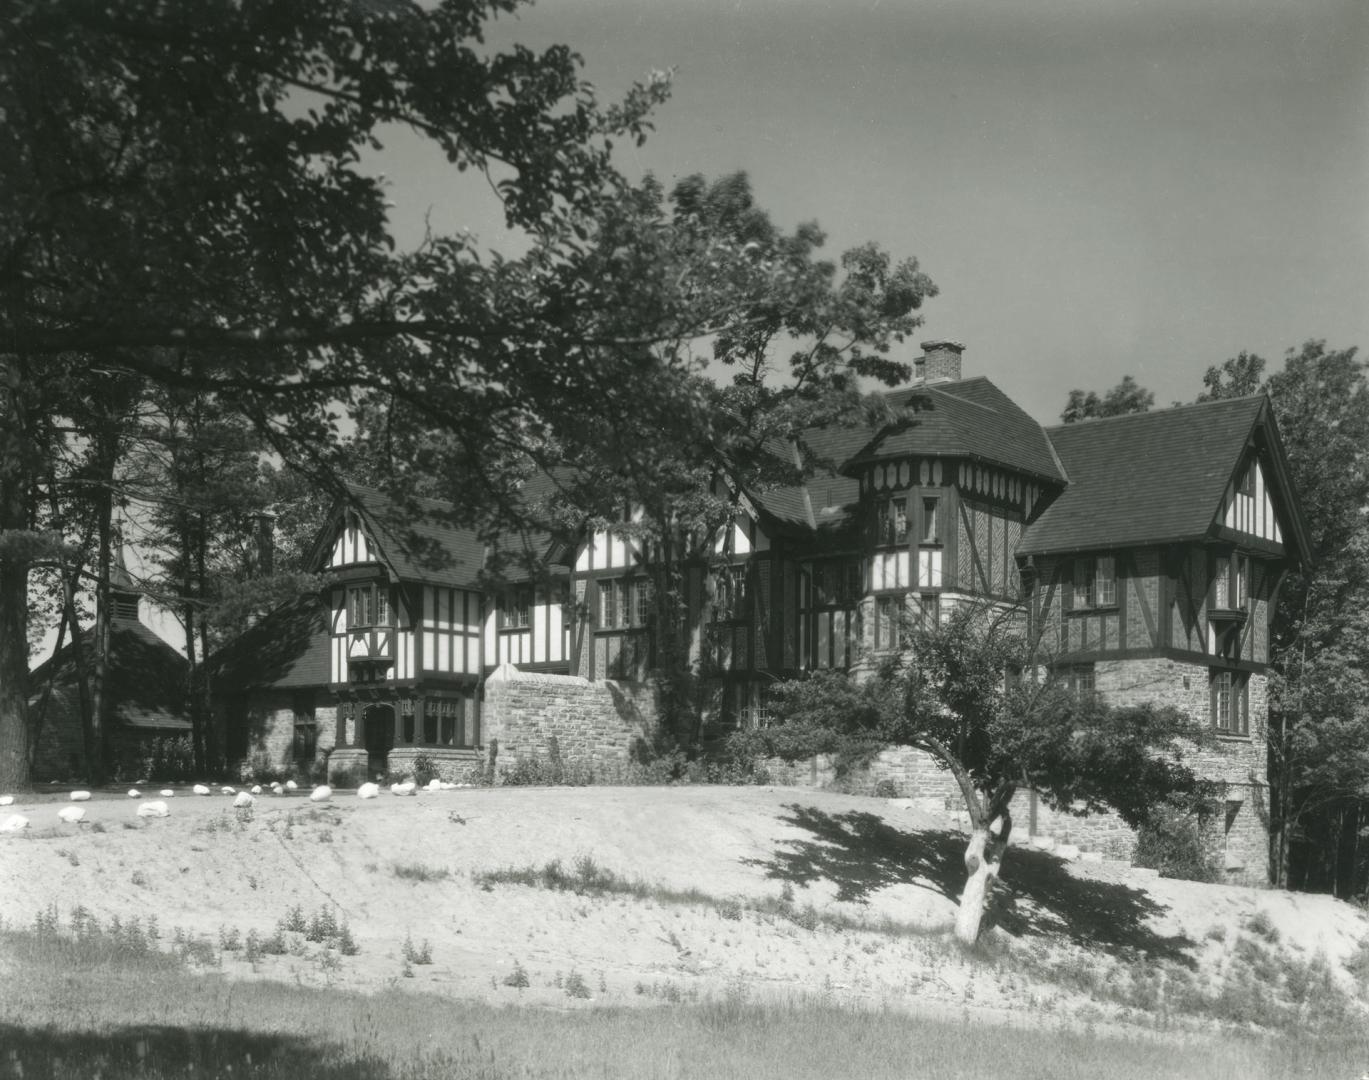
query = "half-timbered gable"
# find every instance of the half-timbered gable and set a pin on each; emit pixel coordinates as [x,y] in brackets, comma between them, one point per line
[1168,540]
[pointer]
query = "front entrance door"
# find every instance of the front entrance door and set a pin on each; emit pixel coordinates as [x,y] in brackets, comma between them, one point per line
[378,736]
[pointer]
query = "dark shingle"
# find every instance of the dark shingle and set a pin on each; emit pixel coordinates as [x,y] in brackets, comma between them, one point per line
[1144,478]
[968,418]
[286,648]
[422,547]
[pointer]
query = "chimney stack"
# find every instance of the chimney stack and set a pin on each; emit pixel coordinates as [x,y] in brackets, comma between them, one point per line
[939,362]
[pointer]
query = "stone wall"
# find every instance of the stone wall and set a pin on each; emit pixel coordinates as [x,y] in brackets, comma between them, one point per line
[270,720]
[899,772]
[454,766]
[603,722]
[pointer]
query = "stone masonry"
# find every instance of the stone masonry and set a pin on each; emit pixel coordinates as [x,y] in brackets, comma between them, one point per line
[602,722]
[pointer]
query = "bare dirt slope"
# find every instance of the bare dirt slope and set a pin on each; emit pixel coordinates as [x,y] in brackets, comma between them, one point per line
[893,871]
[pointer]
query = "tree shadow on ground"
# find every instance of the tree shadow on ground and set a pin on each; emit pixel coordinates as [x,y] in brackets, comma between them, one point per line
[860,853]
[38,1052]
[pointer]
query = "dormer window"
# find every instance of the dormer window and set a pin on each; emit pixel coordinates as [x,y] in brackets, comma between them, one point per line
[368,605]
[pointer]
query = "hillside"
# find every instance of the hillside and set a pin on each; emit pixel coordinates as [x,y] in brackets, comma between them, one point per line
[686,893]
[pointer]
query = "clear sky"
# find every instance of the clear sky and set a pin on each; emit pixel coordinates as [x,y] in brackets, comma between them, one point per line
[1098,187]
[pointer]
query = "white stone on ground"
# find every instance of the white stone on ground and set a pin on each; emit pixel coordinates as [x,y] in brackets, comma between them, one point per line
[134,793]
[71,814]
[434,784]
[14,823]
[277,788]
[200,789]
[290,785]
[368,791]
[6,800]
[167,793]
[322,793]
[156,808]
[243,799]
[80,796]
[406,787]
[226,790]
[1068,852]
[256,789]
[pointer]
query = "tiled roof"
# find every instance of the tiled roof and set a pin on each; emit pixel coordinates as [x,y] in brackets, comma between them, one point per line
[425,547]
[967,418]
[147,677]
[285,649]
[1143,478]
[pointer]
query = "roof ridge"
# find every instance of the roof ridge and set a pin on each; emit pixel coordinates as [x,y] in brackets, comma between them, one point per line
[1091,421]
[967,401]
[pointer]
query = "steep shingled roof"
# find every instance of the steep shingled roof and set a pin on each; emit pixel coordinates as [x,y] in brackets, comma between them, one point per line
[968,418]
[147,677]
[425,548]
[1144,478]
[286,648]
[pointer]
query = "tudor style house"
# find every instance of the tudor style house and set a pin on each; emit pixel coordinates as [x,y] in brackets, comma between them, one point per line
[1146,549]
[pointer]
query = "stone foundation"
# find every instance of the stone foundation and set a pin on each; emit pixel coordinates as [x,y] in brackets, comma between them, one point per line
[453,766]
[346,764]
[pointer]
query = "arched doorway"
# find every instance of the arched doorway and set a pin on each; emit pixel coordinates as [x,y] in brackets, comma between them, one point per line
[378,736]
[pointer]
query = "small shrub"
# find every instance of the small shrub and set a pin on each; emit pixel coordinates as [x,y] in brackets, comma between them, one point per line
[230,939]
[253,950]
[139,879]
[351,777]
[346,943]
[275,945]
[323,926]
[1263,926]
[576,986]
[730,910]
[517,978]
[1172,842]
[425,769]
[422,954]
[294,921]
[420,872]
[198,951]
[886,789]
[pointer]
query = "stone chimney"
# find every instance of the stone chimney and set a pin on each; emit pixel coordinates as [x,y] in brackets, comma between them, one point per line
[939,362]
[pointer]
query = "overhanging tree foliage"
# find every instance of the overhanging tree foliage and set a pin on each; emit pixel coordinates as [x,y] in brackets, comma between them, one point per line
[969,693]
[186,207]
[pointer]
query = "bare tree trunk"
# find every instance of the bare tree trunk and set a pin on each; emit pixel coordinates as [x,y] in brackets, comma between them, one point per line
[37,720]
[197,740]
[14,575]
[983,859]
[97,738]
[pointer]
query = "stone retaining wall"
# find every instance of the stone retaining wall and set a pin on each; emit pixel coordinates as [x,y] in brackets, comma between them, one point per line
[606,722]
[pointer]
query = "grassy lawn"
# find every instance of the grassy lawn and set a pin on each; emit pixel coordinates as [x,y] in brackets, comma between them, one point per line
[102,1007]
